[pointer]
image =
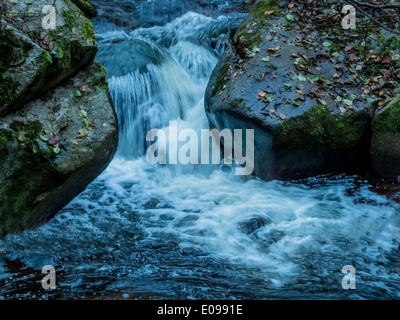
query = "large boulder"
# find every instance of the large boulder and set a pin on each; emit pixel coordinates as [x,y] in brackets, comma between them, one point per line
[53,147]
[385,144]
[58,127]
[310,93]
[34,59]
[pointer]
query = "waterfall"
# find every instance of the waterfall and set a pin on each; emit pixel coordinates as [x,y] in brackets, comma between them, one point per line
[142,231]
[163,78]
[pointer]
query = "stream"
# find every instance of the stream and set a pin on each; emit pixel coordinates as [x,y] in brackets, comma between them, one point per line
[143,231]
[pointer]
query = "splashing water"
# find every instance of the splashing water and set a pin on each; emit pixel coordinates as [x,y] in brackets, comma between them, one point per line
[198,232]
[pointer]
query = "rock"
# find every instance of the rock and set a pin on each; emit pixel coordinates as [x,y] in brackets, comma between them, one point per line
[86,7]
[385,143]
[34,59]
[251,225]
[53,147]
[301,88]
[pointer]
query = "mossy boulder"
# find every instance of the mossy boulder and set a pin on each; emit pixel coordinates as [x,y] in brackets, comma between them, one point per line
[53,148]
[34,59]
[309,92]
[86,7]
[385,143]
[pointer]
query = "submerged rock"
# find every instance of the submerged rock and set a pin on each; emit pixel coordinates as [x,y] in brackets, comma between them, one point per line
[251,225]
[310,93]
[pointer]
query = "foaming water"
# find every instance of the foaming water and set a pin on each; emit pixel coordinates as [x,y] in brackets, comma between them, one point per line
[146,232]
[199,232]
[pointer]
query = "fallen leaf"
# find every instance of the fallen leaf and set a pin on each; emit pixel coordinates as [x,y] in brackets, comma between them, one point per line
[282,116]
[84,88]
[235,75]
[353,58]
[54,140]
[290,17]
[387,74]
[262,93]
[301,78]
[268,13]
[342,110]
[336,76]
[348,102]
[386,59]
[291,5]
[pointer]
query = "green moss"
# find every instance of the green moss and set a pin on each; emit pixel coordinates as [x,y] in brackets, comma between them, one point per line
[86,7]
[53,34]
[30,132]
[88,30]
[258,10]
[101,79]
[388,120]
[69,19]
[221,80]
[8,90]
[45,62]
[11,48]
[34,176]
[236,103]
[387,44]
[5,138]
[64,61]
[20,193]
[318,129]
[250,35]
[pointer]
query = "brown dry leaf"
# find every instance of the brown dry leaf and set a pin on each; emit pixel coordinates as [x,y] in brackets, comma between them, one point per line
[291,6]
[84,88]
[268,13]
[386,59]
[336,76]
[235,75]
[374,80]
[262,93]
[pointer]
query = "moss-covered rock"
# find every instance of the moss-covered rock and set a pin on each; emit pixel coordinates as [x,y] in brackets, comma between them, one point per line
[33,59]
[385,143]
[53,148]
[309,92]
[86,7]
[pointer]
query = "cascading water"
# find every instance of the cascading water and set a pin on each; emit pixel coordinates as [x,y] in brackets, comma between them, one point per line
[178,232]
